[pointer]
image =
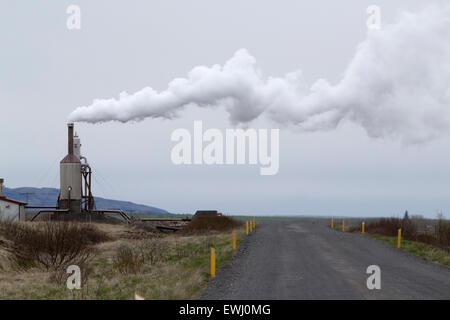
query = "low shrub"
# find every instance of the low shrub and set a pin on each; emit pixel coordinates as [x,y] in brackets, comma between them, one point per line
[389,227]
[127,260]
[442,233]
[51,245]
[203,225]
[152,251]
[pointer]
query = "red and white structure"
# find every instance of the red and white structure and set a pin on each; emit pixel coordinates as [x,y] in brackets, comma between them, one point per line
[11,210]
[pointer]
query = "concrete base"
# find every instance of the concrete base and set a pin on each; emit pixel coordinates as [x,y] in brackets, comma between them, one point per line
[75,206]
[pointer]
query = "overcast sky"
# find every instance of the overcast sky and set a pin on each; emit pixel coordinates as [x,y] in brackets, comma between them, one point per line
[46,71]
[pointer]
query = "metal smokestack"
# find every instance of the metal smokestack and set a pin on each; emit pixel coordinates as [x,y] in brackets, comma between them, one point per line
[70,137]
[70,195]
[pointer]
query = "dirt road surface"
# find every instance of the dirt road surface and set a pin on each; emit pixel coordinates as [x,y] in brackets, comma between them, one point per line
[301,260]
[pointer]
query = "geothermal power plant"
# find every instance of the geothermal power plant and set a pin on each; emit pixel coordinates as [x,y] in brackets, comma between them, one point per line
[73,197]
[75,201]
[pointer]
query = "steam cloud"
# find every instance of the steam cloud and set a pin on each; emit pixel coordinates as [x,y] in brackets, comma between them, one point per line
[396,85]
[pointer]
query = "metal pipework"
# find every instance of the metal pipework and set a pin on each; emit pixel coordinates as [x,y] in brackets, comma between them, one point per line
[50,211]
[85,160]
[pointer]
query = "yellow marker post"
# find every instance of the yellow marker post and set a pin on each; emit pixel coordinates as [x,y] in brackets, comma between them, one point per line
[234,240]
[213,262]
[399,238]
[363,225]
[343,225]
[251,229]
[254,224]
[246,228]
[332,223]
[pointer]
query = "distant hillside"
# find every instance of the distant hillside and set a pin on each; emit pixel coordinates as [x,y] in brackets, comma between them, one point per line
[49,197]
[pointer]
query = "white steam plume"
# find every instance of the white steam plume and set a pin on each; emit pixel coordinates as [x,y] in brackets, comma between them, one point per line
[397,84]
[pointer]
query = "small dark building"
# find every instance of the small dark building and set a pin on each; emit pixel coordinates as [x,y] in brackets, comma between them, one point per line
[206,213]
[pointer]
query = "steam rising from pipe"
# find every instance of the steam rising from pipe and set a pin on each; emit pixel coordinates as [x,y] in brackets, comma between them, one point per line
[396,85]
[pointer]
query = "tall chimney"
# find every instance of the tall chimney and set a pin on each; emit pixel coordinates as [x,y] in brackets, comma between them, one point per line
[1,187]
[70,137]
[70,177]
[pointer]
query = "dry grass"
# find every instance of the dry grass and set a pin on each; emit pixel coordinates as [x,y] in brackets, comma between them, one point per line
[6,258]
[204,225]
[389,227]
[154,266]
[50,245]
[127,260]
[138,231]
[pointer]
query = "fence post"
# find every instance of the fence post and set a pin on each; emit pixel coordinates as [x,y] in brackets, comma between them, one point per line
[399,238]
[213,262]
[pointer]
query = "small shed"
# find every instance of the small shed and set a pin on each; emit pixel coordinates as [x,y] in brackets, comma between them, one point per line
[206,213]
[11,210]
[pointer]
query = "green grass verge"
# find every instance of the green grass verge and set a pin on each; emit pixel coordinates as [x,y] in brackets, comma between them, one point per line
[422,250]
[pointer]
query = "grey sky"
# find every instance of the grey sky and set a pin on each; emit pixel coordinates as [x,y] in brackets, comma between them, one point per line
[46,71]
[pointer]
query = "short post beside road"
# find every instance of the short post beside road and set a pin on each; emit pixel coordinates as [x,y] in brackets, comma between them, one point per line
[254,224]
[234,240]
[213,262]
[246,228]
[399,238]
[363,225]
[343,225]
[332,223]
[251,229]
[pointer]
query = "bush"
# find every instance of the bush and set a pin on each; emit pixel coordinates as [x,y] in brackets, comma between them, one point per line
[442,233]
[93,235]
[389,227]
[51,245]
[384,226]
[203,225]
[152,251]
[126,260]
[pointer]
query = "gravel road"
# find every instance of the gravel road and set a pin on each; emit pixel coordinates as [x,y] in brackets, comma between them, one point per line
[302,260]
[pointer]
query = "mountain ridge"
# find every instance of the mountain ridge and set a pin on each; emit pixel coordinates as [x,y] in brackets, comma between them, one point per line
[49,197]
